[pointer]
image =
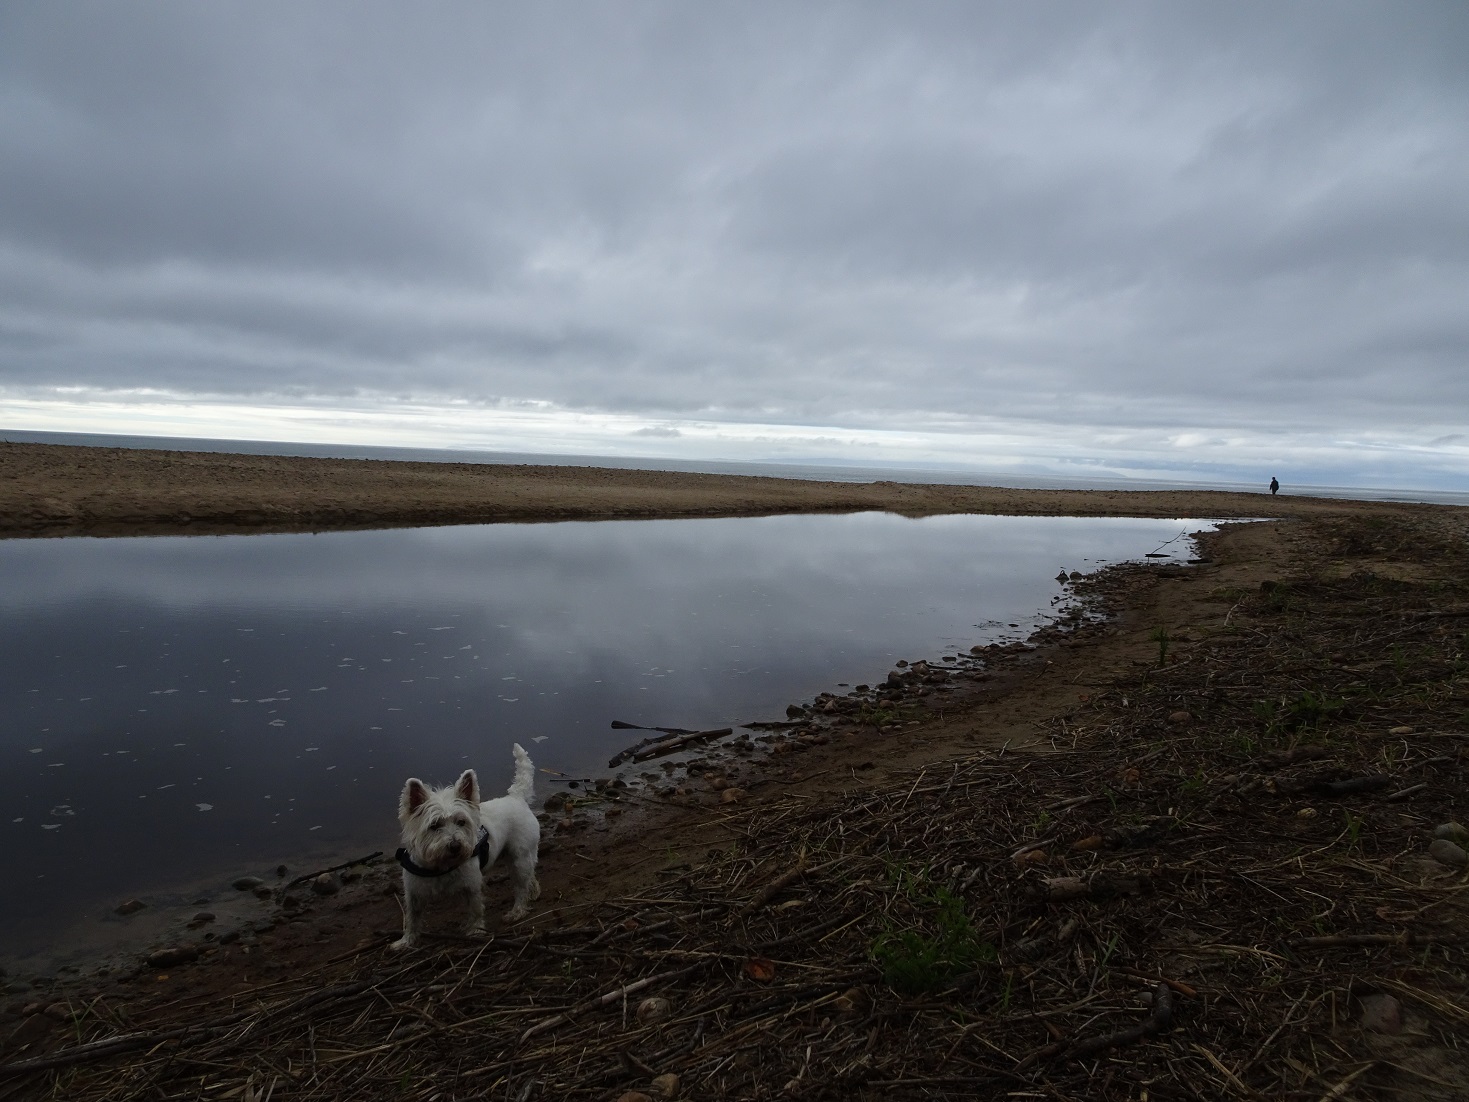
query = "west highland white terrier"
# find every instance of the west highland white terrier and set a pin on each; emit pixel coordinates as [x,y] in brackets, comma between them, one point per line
[450,840]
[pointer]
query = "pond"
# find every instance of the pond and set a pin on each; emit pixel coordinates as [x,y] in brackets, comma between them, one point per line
[189,709]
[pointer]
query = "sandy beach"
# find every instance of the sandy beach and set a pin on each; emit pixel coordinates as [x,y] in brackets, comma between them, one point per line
[1184,850]
[53,490]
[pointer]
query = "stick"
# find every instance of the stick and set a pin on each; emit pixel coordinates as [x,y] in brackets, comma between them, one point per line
[601,1000]
[373,856]
[1159,1021]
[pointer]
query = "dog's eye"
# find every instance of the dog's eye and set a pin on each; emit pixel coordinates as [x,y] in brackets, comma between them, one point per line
[434,826]
[461,821]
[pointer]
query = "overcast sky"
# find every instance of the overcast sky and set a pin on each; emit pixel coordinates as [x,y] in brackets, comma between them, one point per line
[1213,240]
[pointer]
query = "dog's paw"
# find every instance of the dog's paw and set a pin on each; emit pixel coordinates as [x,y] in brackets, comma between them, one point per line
[516,913]
[402,943]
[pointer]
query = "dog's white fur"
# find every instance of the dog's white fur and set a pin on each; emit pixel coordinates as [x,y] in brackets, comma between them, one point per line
[441,831]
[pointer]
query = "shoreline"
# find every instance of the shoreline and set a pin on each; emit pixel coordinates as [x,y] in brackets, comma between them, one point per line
[51,490]
[1155,744]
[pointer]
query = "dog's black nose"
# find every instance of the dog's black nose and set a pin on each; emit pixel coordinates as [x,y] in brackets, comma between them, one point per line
[454,848]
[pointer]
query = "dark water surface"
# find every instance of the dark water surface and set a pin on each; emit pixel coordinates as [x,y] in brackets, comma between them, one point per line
[178,709]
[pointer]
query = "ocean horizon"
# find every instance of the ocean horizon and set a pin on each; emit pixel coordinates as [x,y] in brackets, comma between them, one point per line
[825,470]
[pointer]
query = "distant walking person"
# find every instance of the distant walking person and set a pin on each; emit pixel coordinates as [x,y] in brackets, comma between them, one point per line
[1274,487]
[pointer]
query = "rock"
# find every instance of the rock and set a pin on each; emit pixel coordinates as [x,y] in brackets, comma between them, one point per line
[652,1009]
[794,711]
[1400,730]
[131,907]
[173,955]
[325,884]
[1179,718]
[1454,832]
[203,917]
[246,883]
[1061,577]
[731,795]
[58,1012]
[1446,853]
[264,892]
[666,1085]
[1076,576]
[1382,1014]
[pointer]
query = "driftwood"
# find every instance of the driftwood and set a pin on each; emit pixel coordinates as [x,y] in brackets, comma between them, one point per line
[670,741]
[1160,1021]
[302,879]
[1096,886]
[1370,783]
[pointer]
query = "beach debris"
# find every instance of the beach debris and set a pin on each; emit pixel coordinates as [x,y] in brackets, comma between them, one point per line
[246,883]
[670,742]
[1096,886]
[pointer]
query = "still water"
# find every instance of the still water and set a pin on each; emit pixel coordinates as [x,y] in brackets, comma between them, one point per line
[182,708]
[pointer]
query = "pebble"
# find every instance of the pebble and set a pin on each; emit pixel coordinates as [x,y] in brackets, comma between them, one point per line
[1178,718]
[652,1009]
[666,1085]
[174,954]
[1382,1014]
[1454,832]
[1446,853]
[247,883]
[131,907]
[325,884]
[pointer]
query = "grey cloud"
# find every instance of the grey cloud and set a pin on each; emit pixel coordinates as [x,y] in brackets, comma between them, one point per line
[1138,214]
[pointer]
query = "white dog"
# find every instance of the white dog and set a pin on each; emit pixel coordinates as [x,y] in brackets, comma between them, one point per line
[450,839]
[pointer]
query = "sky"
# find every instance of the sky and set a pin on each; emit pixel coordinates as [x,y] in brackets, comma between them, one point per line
[1190,240]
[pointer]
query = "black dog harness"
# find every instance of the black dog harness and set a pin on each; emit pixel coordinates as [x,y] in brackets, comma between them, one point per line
[481,850]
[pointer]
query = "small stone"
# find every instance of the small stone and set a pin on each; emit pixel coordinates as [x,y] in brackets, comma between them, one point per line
[1454,832]
[1400,730]
[264,892]
[652,1009]
[204,917]
[1179,717]
[175,954]
[1382,1014]
[58,1012]
[325,884]
[1307,813]
[131,907]
[1061,577]
[1446,853]
[246,883]
[666,1085]
[1076,576]
[731,795]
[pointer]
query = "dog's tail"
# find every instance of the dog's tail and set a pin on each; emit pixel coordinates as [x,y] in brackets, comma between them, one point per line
[524,784]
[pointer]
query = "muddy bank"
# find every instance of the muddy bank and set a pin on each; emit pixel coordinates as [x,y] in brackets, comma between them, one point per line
[56,490]
[1202,849]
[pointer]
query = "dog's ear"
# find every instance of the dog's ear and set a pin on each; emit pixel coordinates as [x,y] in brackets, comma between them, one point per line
[467,787]
[414,796]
